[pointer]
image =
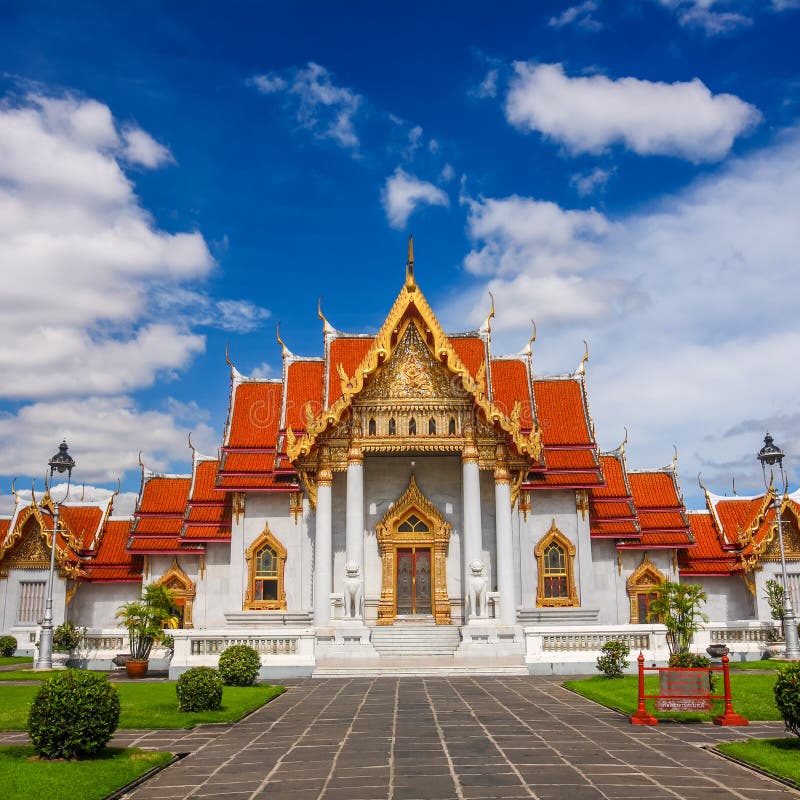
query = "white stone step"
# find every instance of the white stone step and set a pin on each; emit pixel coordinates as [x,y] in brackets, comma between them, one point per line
[413,666]
[423,638]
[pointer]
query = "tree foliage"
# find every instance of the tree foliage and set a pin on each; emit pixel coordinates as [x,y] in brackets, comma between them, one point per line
[147,618]
[775,599]
[787,697]
[678,607]
[614,659]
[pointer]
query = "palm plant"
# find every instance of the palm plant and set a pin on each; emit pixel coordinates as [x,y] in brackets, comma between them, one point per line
[147,618]
[678,607]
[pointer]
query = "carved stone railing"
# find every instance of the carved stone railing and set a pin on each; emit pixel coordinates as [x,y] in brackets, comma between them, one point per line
[593,641]
[263,645]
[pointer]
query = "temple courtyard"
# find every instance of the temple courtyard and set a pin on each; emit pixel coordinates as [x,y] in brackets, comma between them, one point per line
[445,738]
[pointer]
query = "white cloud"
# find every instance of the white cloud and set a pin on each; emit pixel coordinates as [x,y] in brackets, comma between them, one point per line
[579,15]
[590,182]
[403,193]
[488,86]
[263,370]
[689,312]
[90,283]
[707,15]
[124,502]
[589,114]
[141,148]
[104,433]
[318,104]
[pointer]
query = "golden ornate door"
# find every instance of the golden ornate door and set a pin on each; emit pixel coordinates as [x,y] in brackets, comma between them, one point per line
[414,583]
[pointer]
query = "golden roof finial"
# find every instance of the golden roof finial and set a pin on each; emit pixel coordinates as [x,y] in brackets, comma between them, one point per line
[491,315]
[674,457]
[285,351]
[191,446]
[411,283]
[733,482]
[624,442]
[582,365]
[532,339]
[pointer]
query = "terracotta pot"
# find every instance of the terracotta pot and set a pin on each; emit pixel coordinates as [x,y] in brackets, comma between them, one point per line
[136,669]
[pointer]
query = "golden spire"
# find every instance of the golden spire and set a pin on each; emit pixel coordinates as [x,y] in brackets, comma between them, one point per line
[411,284]
[533,338]
[582,365]
[285,351]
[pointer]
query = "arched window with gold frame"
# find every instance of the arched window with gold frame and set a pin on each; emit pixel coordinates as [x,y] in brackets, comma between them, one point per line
[555,560]
[266,562]
[371,427]
[642,586]
[183,589]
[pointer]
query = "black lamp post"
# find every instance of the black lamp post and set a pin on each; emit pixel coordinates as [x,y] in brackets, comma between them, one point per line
[61,462]
[770,455]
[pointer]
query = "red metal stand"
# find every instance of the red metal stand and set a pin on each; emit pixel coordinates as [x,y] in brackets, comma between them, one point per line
[641,717]
[729,716]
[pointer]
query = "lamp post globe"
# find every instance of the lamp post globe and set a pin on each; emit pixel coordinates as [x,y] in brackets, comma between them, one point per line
[771,458]
[61,462]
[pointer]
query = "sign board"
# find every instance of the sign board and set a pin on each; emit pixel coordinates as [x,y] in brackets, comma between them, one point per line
[684,690]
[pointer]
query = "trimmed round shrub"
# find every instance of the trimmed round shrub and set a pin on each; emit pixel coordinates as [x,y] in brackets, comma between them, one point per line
[239,665]
[787,697]
[73,714]
[199,689]
[614,659]
[8,646]
[687,659]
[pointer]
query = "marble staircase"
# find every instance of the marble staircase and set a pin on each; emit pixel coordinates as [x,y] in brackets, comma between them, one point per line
[415,638]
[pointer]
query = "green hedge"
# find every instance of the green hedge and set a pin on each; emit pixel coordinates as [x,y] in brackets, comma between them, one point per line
[239,665]
[199,689]
[8,646]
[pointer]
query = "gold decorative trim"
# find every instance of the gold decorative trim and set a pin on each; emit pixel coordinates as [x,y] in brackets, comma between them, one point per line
[265,539]
[582,502]
[412,302]
[237,506]
[501,473]
[296,505]
[643,580]
[390,538]
[183,588]
[554,536]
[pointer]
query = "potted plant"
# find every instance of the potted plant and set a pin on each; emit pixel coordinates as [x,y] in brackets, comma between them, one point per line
[146,620]
[66,637]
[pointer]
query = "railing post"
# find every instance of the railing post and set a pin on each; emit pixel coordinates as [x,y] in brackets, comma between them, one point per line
[728,717]
[641,717]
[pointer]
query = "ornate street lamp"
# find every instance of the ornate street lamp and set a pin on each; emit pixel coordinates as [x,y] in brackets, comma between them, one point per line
[61,462]
[770,455]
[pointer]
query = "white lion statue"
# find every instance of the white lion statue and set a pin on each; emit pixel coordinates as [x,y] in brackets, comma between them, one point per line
[477,588]
[352,591]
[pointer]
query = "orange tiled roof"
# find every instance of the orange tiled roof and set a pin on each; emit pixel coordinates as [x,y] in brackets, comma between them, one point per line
[255,414]
[661,513]
[82,521]
[149,544]
[349,351]
[611,508]
[511,383]
[113,563]
[304,383]
[234,483]
[234,462]
[164,494]
[208,514]
[471,350]
[5,524]
[562,415]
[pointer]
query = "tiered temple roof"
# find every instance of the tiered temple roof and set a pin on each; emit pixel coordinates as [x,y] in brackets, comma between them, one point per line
[734,534]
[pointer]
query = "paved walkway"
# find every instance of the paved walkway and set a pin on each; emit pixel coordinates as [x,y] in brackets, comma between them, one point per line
[447,739]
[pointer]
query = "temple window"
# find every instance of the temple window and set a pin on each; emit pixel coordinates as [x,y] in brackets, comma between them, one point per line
[266,560]
[31,602]
[371,427]
[392,426]
[412,427]
[642,587]
[413,524]
[432,426]
[451,427]
[555,557]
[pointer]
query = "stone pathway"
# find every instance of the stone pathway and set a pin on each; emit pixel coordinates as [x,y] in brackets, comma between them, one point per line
[447,739]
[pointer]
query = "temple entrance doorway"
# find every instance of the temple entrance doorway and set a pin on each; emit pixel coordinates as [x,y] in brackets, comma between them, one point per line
[414,585]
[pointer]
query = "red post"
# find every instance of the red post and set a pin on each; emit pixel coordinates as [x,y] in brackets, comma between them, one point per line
[641,717]
[728,717]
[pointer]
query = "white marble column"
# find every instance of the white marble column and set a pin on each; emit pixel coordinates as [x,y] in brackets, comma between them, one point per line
[471,504]
[354,525]
[237,574]
[323,549]
[504,539]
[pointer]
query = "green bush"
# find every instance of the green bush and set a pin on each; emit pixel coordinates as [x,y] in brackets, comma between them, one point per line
[787,697]
[73,714]
[66,637]
[199,689]
[687,659]
[8,646]
[614,659]
[239,665]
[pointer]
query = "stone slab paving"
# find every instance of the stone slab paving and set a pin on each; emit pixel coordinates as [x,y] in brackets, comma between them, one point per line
[438,738]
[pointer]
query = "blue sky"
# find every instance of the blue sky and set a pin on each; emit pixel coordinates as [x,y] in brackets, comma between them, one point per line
[176,176]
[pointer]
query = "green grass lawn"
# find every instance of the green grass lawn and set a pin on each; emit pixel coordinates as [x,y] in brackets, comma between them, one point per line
[90,779]
[146,705]
[6,660]
[752,696]
[764,663]
[778,756]
[26,674]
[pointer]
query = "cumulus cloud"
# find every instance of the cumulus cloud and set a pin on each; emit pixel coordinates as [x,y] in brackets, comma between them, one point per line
[579,16]
[672,301]
[124,502]
[709,16]
[590,182]
[403,193]
[320,106]
[84,264]
[590,114]
[105,434]
[488,86]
